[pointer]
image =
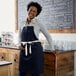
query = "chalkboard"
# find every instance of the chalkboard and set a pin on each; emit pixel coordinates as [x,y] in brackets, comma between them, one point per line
[56,14]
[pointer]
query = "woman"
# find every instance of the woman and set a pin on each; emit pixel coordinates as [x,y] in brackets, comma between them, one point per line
[31,54]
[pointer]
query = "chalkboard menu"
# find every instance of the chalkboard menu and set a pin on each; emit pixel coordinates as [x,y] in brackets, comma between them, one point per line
[56,14]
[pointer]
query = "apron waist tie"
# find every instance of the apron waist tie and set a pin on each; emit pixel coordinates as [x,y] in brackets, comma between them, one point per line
[29,42]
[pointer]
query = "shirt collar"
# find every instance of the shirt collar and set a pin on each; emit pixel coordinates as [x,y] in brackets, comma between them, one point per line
[32,21]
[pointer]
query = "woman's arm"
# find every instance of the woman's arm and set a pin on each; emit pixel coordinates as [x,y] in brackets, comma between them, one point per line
[19,38]
[44,30]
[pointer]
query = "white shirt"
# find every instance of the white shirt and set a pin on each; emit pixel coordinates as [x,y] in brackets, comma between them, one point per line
[38,27]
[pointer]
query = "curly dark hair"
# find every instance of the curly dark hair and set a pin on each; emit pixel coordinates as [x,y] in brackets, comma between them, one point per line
[37,5]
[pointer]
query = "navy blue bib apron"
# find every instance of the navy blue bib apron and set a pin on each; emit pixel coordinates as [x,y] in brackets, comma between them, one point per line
[32,63]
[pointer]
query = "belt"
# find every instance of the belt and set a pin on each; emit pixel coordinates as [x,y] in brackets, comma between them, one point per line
[29,42]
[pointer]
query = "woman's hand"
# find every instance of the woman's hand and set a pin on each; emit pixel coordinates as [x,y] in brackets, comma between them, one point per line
[55,52]
[21,48]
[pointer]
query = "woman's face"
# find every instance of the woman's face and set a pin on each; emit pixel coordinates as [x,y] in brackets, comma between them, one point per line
[32,12]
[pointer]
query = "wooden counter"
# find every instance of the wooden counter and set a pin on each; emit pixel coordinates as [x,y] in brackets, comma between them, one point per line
[5,68]
[59,64]
[11,55]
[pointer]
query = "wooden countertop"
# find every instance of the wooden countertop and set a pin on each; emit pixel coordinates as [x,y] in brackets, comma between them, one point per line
[44,50]
[15,48]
